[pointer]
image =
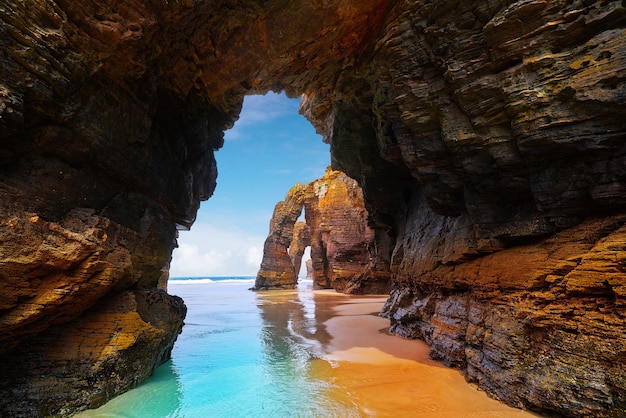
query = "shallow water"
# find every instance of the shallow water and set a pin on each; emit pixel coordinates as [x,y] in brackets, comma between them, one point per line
[295,354]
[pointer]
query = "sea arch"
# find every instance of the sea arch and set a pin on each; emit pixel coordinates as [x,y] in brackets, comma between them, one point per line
[344,251]
[477,140]
[111,113]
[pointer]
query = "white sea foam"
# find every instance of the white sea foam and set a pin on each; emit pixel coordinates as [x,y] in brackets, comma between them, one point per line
[221,280]
[211,280]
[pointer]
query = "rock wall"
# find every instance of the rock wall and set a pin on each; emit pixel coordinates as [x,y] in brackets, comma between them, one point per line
[487,137]
[344,251]
[509,255]
[508,258]
[277,267]
[343,247]
[540,325]
[109,349]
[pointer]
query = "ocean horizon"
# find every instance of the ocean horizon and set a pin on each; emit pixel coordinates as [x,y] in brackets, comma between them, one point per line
[221,279]
[211,279]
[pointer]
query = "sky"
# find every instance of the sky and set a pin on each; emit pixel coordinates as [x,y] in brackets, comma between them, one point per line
[270,148]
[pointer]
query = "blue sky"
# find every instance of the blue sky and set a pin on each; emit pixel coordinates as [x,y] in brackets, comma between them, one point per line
[270,148]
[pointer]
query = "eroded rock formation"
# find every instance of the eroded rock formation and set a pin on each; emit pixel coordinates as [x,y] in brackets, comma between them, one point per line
[343,247]
[109,349]
[526,322]
[487,136]
[344,250]
[301,240]
[277,267]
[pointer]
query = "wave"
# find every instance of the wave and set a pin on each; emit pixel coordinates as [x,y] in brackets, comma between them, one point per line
[221,280]
[211,280]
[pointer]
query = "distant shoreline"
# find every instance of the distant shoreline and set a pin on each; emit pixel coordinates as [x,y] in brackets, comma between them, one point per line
[220,280]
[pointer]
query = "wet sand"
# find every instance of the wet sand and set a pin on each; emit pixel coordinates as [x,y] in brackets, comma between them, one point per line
[297,353]
[384,375]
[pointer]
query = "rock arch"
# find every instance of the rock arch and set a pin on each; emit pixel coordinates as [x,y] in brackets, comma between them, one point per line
[477,140]
[343,246]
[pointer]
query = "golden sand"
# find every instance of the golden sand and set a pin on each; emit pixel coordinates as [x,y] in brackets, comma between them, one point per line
[388,376]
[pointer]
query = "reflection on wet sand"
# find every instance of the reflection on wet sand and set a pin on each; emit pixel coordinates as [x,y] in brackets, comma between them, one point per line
[298,353]
[291,339]
[372,373]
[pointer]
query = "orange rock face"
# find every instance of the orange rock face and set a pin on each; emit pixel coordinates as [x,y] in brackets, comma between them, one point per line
[507,316]
[111,348]
[342,244]
[487,137]
[277,267]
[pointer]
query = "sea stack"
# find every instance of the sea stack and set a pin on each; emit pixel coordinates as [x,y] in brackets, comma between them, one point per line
[344,254]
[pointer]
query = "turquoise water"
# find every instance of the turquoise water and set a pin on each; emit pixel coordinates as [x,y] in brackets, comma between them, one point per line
[241,354]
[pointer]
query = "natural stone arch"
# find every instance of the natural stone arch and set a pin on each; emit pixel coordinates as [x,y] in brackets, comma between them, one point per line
[469,133]
[277,267]
[119,107]
[343,255]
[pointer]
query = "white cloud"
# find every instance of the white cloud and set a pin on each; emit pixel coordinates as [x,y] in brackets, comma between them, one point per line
[254,256]
[259,109]
[212,251]
[227,238]
[263,108]
[280,171]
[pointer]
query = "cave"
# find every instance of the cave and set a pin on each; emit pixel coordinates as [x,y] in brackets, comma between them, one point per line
[487,137]
[270,147]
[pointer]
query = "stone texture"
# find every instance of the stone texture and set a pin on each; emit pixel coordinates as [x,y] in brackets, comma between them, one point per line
[343,248]
[495,153]
[482,134]
[57,270]
[526,322]
[277,269]
[109,349]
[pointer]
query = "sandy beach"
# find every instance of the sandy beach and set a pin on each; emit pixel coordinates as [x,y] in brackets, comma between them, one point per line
[388,376]
[298,353]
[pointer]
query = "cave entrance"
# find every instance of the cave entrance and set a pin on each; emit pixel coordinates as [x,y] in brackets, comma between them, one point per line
[270,148]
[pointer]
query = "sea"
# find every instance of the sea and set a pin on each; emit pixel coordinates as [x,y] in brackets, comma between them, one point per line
[288,354]
[241,354]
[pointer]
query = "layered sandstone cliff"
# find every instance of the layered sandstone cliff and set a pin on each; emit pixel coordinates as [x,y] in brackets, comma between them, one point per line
[344,254]
[509,256]
[278,269]
[487,137]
